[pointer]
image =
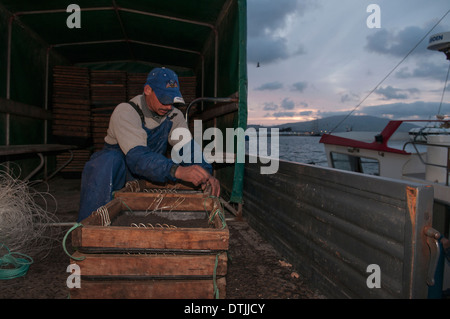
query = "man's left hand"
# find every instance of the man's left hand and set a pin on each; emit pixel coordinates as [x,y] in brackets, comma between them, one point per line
[214,184]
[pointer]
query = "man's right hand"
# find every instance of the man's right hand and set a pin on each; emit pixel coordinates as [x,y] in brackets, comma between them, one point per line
[196,175]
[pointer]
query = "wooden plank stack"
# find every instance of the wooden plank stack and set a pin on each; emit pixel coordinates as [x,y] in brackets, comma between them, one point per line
[135,84]
[154,243]
[99,123]
[188,88]
[76,165]
[108,89]
[71,102]
[71,113]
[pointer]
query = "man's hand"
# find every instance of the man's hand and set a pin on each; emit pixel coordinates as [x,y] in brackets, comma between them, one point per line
[198,176]
[214,184]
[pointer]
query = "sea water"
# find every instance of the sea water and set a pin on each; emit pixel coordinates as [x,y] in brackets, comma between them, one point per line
[302,149]
[299,149]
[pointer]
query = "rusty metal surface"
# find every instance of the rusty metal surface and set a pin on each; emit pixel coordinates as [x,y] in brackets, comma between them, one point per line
[333,225]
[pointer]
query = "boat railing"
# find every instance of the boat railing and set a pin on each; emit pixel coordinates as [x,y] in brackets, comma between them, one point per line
[414,143]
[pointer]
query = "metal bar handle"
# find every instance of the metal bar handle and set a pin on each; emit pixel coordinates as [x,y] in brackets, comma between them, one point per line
[432,236]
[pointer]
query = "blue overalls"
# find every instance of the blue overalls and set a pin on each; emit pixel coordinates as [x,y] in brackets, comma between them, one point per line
[109,169]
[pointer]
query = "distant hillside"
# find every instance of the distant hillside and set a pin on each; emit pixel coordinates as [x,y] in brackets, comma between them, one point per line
[352,123]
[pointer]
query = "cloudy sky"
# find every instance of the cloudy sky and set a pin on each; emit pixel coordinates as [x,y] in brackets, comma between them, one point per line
[319,58]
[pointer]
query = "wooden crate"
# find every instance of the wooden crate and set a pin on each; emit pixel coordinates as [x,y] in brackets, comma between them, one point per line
[151,276]
[153,243]
[149,289]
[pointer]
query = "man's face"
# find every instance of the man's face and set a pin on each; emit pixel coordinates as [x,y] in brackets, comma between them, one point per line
[154,104]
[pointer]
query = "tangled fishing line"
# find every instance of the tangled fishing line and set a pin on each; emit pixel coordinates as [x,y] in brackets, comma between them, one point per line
[25,218]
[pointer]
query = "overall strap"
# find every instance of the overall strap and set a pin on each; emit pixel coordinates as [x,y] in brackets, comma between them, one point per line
[138,109]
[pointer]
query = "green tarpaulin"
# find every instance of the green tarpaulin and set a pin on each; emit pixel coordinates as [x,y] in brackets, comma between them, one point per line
[198,37]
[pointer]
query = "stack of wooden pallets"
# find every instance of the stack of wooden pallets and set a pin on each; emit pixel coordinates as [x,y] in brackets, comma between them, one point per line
[108,89]
[153,242]
[76,165]
[71,114]
[135,84]
[71,102]
[188,88]
[99,124]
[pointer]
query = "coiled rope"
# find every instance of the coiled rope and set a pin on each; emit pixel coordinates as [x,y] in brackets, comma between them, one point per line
[13,264]
[26,214]
[65,238]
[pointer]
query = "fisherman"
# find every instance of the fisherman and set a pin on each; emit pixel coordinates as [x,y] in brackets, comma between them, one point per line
[137,140]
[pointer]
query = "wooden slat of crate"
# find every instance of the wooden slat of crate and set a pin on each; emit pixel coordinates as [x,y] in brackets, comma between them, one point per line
[150,185]
[73,100]
[146,201]
[98,141]
[82,155]
[151,265]
[70,130]
[107,76]
[75,117]
[92,235]
[139,186]
[149,289]
[100,121]
[64,123]
[134,239]
[74,108]
[61,133]
[71,68]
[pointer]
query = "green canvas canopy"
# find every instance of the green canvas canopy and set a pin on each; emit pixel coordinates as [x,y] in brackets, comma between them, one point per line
[201,38]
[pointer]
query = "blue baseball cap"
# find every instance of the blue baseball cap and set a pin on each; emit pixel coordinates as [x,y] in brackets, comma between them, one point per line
[164,82]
